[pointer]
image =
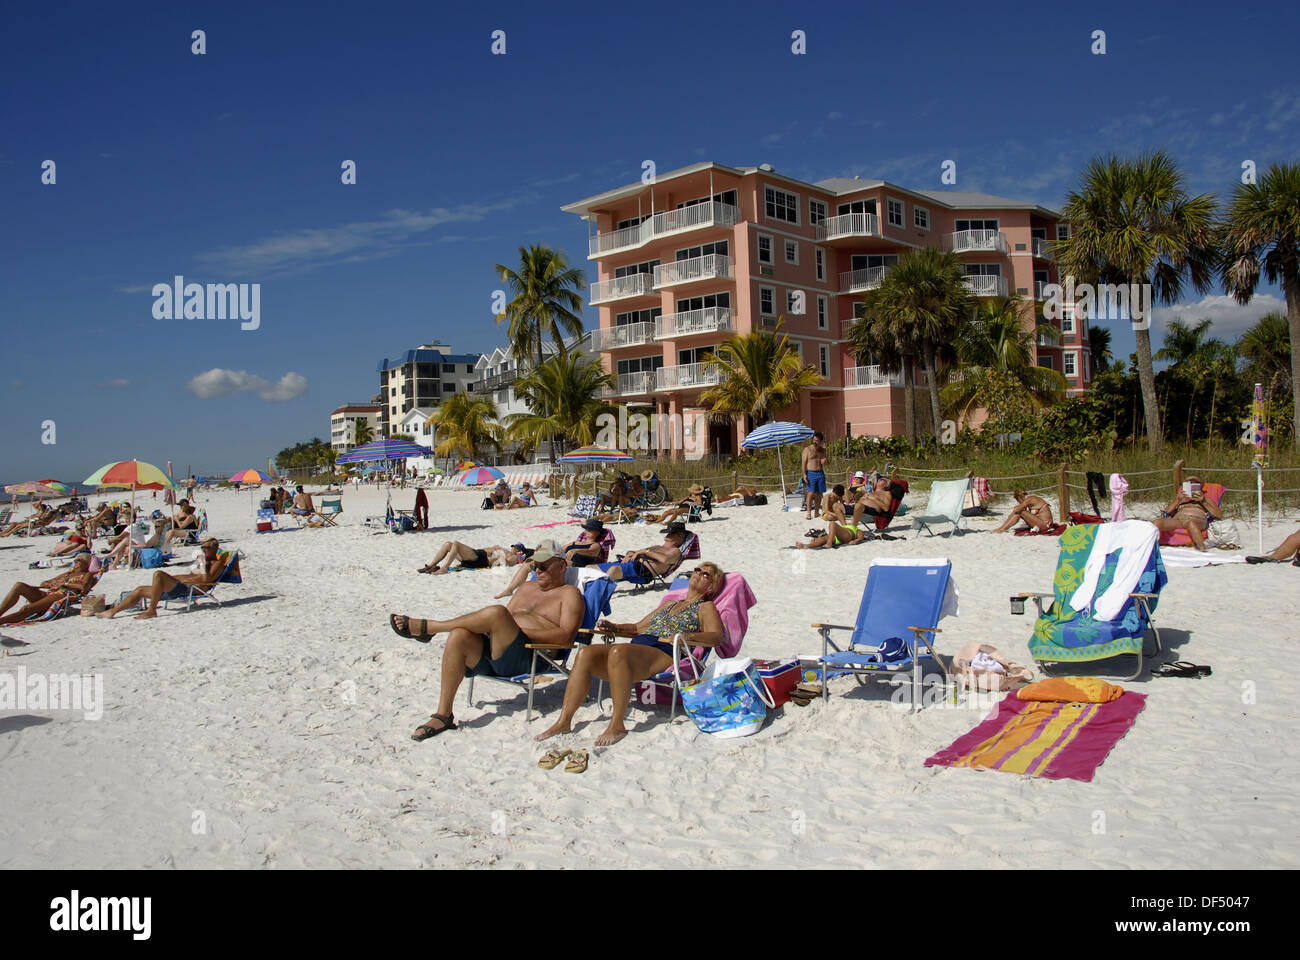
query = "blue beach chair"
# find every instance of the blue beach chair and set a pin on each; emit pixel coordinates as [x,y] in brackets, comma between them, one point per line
[901,606]
[596,593]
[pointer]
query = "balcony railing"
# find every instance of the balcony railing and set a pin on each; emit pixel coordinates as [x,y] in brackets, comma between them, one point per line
[986,285]
[849,225]
[631,383]
[662,224]
[708,320]
[496,381]
[707,267]
[1040,289]
[857,281]
[620,288]
[870,377]
[686,376]
[1042,250]
[966,241]
[625,335]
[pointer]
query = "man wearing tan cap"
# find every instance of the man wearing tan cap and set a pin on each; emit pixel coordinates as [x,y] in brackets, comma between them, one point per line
[494,641]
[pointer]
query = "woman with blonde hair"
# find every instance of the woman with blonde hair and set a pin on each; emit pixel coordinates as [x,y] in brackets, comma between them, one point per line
[651,651]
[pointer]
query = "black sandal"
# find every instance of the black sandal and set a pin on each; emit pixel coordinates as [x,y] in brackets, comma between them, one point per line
[424,731]
[405,632]
[1181,668]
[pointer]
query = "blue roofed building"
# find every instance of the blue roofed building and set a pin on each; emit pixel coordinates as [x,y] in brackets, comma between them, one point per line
[422,378]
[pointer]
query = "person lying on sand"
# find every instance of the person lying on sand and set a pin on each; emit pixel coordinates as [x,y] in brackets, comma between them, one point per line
[741,492]
[493,641]
[452,551]
[40,518]
[1288,549]
[40,598]
[638,566]
[838,534]
[167,586]
[1030,508]
[1191,512]
[651,651]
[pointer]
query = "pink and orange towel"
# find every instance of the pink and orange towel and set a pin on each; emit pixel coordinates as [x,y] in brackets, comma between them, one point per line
[1060,728]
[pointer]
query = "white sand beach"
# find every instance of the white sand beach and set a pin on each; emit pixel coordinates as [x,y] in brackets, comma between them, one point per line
[275,730]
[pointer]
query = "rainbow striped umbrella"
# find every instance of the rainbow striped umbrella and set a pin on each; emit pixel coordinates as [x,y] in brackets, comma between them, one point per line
[479,475]
[595,455]
[467,465]
[251,476]
[40,488]
[131,475]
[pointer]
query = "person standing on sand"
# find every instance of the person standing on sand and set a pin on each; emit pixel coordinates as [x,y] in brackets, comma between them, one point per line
[1032,509]
[164,585]
[814,474]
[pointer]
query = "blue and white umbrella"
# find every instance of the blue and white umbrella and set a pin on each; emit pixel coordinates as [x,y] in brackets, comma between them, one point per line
[778,433]
[383,450]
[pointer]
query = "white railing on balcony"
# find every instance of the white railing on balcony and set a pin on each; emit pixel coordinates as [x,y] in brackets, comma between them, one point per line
[1040,289]
[625,335]
[708,320]
[662,224]
[985,285]
[868,278]
[870,377]
[1041,249]
[686,375]
[631,383]
[707,267]
[849,225]
[636,285]
[964,241]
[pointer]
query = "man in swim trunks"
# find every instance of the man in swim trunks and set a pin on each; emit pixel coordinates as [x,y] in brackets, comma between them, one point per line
[1032,509]
[814,474]
[877,502]
[171,586]
[493,641]
[638,565]
[302,505]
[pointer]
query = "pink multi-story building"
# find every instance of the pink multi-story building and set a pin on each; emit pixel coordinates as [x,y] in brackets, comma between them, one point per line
[708,251]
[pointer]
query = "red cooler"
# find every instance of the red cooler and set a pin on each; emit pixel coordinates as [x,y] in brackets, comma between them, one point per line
[780,677]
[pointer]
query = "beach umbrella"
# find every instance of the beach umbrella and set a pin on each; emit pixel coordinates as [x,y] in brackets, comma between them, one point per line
[131,475]
[1259,437]
[595,455]
[467,465]
[251,476]
[39,488]
[383,450]
[478,475]
[777,434]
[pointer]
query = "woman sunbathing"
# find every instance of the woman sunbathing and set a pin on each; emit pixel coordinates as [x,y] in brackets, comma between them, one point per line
[1286,550]
[74,582]
[39,519]
[683,507]
[1191,512]
[695,618]
[1030,508]
[524,499]
[134,537]
[76,542]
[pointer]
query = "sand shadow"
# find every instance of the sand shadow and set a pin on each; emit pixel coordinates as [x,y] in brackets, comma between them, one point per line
[22,722]
[238,602]
[1117,668]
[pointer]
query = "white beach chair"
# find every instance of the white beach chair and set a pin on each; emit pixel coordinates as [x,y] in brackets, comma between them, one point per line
[947,500]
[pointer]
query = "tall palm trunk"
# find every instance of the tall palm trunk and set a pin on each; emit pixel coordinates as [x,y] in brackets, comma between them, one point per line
[1292,292]
[909,401]
[932,386]
[1147,378]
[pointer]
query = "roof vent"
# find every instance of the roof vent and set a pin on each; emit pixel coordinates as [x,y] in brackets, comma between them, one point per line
[765,167]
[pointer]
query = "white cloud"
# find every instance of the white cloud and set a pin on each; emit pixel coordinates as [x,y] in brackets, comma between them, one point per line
[116,382]
[221,383]
[137,288]
[1230,319]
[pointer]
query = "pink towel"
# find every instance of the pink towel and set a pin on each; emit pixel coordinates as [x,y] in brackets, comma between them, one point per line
[557,523]
[1118,487]
[733,605]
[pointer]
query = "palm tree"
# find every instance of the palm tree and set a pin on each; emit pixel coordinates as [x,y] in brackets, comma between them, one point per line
[922,302]
[1184,343]
[361,432]
[564,401]
[545,301]
[465,424]
[1261,236]
[1198,359]
[995,363]
[1099,349]
[1266,348]
[1134,222]
[760,375]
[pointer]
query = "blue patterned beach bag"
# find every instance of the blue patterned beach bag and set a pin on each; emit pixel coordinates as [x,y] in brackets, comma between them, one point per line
[729,700]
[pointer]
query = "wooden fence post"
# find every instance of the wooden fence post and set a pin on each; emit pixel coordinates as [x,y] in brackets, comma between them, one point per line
[1178,477]
[1062,494]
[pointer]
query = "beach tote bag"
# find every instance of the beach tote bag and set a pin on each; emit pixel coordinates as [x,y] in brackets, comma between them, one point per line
[151,557]
[729,700]
[1223,534]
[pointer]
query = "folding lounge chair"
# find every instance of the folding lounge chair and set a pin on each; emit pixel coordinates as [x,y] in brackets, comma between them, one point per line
[1120,567]
[898,490]
[689,550]
[901,606]
[596,591]
[1180,537]
[947,500]
[64,606]
[191,594]
[329,510]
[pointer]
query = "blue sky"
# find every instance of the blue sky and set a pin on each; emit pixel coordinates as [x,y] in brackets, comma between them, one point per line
[226,168]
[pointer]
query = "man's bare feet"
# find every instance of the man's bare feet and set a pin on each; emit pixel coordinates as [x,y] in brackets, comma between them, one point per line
[436,571]
[105,615]
[147,615]
[553,731]
[803,546]
[610,737]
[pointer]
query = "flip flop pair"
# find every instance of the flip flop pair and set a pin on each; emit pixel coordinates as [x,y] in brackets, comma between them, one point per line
[577,762]
[1182,668]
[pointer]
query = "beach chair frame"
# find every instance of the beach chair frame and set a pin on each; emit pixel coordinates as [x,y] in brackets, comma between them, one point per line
[922,521]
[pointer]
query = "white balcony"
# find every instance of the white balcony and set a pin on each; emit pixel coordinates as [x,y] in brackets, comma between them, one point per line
[849,225]
[711,266]
[686,376]
[627,384]
[621,288]
[1041,250]
[1040,290]
[984,285]
[870,377]
[665,223]
[708,320]
[975,241]
[859,281]
[626,335]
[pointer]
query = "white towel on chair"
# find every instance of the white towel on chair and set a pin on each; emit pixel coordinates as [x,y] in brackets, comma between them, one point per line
[1136,538]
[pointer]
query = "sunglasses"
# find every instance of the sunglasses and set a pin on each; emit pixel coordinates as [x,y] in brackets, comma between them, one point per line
[707,573]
